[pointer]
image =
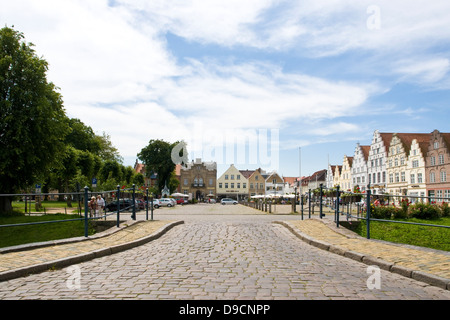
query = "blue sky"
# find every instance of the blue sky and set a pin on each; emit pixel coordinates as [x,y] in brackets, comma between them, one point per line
[239,79]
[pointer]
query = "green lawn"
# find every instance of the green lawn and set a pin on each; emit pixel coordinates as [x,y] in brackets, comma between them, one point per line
[20,206]
[12,236]
[423,236]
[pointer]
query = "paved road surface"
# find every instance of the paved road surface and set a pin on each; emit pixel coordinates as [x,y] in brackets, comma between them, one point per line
[219,256]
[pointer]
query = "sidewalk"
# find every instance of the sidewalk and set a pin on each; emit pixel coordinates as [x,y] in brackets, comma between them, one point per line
[422,264]
[34,258]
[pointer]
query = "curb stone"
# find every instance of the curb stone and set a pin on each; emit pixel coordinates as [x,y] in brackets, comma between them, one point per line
[64,262]
[368,260]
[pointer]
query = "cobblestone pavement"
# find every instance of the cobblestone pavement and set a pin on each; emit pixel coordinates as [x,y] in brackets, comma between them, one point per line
[220,254]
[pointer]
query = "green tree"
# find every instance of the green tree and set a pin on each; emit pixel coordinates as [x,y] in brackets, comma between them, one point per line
[33,121]
[157,158]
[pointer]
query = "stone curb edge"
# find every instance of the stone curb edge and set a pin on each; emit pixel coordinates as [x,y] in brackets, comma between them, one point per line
[421,276]
[64,262]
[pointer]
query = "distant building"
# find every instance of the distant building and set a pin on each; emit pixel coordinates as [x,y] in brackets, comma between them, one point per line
[438,167]
[198,180]
[232,184]
[359,167]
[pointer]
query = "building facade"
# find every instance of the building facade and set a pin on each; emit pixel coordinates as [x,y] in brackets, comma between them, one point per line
[359,167]
[232,184]
[346,181]
[274,184]
[416,167]
[438,167]
[198,180]
[256,183]
[376,163]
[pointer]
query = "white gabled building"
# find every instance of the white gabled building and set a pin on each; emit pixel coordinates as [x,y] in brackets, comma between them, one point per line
[359,167]
[376,163]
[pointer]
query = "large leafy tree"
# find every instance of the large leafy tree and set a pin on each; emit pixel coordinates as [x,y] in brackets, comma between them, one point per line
[157,158]
[33,121]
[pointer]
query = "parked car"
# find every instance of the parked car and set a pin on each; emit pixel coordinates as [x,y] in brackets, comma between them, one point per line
[124,205]
[165,202]
[156,204]
[140,204]
[226,201]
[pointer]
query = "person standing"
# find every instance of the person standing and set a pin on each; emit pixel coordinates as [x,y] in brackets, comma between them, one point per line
[100,204]
[92,207]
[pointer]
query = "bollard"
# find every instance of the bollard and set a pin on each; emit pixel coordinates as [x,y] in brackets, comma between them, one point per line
[86,212]
[118,206]
[146,204]
[321,199]
[133,214]
[151,205]
[368,211]
[337,207]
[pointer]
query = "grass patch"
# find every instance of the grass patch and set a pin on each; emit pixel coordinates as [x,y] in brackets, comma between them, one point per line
[20,206]
[422,236]
[12,236]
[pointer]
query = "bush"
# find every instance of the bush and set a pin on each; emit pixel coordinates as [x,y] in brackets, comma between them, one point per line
[424,211]
[385,212]
[445,210]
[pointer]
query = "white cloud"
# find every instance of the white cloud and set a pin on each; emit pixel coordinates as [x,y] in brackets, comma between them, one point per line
[424,71]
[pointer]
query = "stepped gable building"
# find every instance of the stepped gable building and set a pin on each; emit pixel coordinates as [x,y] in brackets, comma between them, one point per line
[437,167]
[416,167]
[329,180]
[346,182]
[359,167]
[198,180]
[397,161]
[376,165]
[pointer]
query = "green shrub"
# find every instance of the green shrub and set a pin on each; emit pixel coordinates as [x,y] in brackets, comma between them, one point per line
[445,210]
[424,211]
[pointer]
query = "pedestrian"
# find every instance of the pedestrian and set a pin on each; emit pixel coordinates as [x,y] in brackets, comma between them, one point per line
[92,206]
[100,204]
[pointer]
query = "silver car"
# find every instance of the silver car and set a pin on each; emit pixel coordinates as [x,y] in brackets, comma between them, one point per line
[165,202]
[226,201]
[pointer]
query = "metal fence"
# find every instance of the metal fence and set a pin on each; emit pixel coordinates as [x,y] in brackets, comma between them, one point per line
[360,206]
[120,203]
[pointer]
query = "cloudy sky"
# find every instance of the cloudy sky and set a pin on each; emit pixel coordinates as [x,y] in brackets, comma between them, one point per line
[246,82]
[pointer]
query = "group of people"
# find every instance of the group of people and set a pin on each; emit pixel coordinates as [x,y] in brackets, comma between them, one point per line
[96,206]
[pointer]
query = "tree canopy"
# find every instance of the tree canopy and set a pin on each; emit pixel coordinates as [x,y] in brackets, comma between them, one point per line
[32,126]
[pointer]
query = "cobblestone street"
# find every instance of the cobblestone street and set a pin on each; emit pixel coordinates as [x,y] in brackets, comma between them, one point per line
[220,255]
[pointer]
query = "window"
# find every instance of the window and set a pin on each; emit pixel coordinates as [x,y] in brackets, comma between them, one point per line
[201,182]
[391,178]
[403,177]
[244,185]
[186,182]
[238,185]
[436,145]
[226,177]
[415,163]
[226,185]
[447,195]
[251,185]
[396,162]
[397,177]
[211,182]
[232,186]
[220,185]
[441,159]
[256,178]
[238,177]
[432,177]
[443,176]
[232,177]
[402,161]
[413,178]
[419,178]
[433,161]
